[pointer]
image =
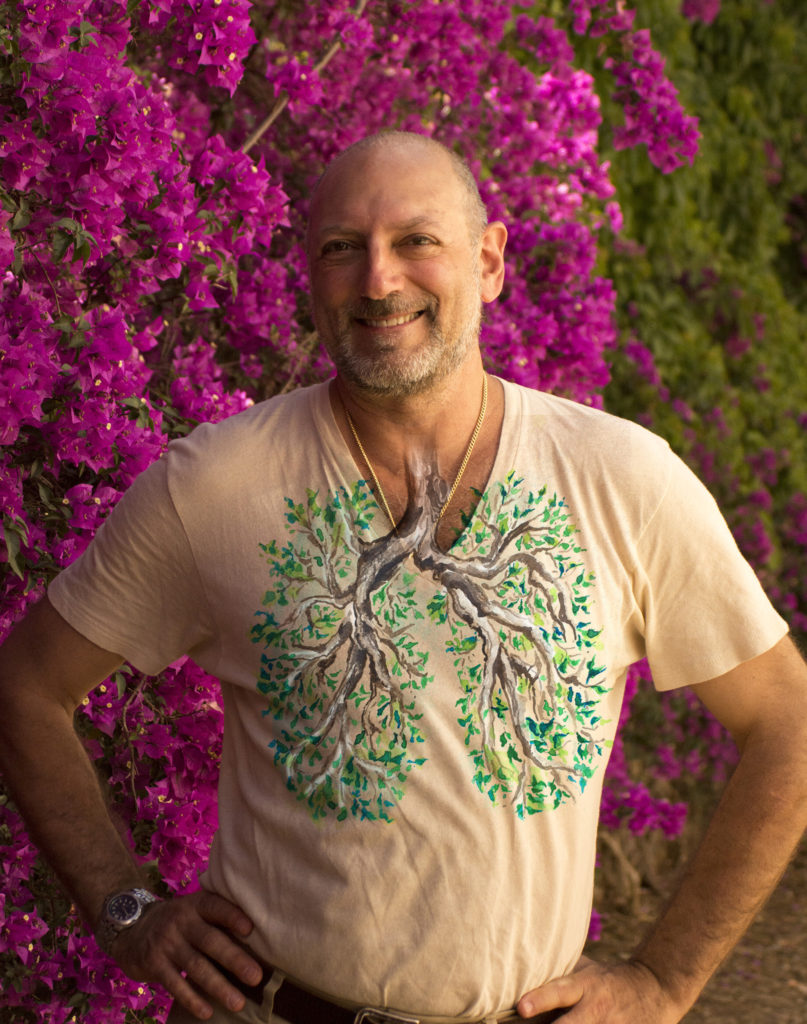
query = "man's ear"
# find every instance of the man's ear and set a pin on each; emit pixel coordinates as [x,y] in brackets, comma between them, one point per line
[491,260]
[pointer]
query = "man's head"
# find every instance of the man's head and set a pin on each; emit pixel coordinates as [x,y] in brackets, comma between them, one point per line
[475,212]
[401,259]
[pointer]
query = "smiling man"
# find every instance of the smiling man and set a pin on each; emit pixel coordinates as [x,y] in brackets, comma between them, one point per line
[402,259]
[432,236]
[421,587]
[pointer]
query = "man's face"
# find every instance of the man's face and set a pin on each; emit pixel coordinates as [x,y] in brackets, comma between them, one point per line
[394,273]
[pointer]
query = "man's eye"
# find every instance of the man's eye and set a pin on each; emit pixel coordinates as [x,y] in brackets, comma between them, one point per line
[420,240]
[338,245]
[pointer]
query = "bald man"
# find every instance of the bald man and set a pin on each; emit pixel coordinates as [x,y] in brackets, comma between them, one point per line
[421,587]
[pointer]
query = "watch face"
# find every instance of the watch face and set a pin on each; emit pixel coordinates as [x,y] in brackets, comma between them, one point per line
[123,908]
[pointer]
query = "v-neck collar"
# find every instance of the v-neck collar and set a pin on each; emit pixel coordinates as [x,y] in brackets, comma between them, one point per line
[349,472]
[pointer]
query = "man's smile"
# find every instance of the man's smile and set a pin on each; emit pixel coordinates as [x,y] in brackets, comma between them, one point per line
[392,321]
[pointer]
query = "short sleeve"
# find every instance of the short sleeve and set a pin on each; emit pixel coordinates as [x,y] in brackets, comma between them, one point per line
[136,590]
[704,609]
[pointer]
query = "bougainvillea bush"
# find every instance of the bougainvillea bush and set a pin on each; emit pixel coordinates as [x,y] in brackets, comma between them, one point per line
[711,313]
[156,162]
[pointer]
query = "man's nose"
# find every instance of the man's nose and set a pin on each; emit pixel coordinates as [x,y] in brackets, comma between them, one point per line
[382,272]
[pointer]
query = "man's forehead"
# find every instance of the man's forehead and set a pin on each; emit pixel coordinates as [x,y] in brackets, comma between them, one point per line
[346,224]
[416,154]
[392,184]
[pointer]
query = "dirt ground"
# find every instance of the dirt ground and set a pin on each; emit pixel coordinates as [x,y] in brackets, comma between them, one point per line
[764,981]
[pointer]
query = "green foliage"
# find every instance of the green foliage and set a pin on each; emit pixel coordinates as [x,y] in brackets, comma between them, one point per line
[533,754]
[710,271]
[346,746]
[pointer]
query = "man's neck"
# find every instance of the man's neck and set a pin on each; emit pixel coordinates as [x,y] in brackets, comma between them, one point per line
[429,433]
[399,431]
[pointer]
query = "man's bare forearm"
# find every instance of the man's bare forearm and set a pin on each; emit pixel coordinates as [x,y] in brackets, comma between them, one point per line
[750,840]
[752,835]
[54,785]
[747,846]
[46,667]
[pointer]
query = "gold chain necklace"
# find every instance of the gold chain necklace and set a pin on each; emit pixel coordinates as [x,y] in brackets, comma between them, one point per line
[460,471]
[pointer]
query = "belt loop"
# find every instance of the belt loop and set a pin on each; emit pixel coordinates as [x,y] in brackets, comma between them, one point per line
[276,979]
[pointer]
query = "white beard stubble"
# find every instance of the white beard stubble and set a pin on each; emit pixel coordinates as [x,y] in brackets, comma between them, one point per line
[433,361]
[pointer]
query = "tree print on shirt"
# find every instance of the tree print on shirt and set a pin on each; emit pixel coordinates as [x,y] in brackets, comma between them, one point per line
[340,666]
[344,662]
[524,649]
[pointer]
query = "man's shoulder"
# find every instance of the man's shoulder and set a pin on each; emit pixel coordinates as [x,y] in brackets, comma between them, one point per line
[278,419]
[249,447]
[584,428]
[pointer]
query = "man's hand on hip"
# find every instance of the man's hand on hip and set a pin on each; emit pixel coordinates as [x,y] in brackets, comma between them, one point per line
[596,993]
[181,936]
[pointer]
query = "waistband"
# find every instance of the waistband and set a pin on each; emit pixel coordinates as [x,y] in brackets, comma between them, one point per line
[301,1006]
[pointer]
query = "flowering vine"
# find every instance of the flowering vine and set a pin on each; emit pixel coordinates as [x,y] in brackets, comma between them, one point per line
[157,159]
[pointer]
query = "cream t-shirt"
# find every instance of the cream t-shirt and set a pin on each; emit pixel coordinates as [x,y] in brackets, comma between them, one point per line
[415,740]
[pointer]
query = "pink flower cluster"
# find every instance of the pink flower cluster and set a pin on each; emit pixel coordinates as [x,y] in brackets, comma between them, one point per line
[211,38]
[653,115]
[701,10]
[152,276]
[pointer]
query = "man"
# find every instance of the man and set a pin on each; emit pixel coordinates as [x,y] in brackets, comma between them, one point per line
[421,588]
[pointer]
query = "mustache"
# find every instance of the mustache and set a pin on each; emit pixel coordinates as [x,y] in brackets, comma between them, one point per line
[380,309]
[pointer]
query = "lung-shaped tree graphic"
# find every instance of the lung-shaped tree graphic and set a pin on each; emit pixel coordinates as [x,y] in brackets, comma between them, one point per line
[344,632]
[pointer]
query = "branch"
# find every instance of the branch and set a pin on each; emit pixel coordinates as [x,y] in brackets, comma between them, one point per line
[508,617]
[401,655]
[303,610]
[354,669]
[282,101]
[379,679]
[507,678]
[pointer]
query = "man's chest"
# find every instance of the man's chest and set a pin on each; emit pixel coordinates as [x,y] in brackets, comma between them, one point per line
[372,643]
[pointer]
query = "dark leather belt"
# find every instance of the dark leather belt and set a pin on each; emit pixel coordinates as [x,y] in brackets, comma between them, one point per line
[299,1006]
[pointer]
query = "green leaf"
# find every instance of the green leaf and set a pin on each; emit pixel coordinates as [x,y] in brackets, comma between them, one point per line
[61,242]
[119,679]
[14,533]
[13,551]
[21,218]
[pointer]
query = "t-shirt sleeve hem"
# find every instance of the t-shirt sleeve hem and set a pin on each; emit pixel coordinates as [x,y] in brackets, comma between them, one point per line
[97,632]
[724,660]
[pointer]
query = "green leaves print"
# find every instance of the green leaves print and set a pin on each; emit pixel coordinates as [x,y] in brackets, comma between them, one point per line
[340,667]
[342,630]
[525,655]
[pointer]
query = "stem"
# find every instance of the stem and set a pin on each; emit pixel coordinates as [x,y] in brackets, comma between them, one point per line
[277,110]
[47,278]
[282,101]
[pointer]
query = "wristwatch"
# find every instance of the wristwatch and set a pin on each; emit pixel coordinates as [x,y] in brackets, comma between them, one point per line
[121,910]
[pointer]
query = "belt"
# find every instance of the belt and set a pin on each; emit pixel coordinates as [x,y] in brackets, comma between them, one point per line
[299,1006]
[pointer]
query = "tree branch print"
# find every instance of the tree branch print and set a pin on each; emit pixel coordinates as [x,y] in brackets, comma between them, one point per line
[344,659]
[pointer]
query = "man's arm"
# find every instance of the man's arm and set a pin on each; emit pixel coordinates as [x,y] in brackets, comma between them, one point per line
[750,840]
[46,669]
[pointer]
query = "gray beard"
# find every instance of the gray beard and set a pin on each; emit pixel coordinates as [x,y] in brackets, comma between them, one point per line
[432,363]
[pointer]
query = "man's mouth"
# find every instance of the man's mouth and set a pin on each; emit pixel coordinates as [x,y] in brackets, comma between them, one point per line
[391,321]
